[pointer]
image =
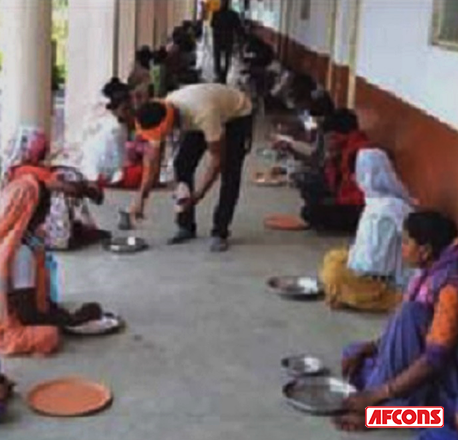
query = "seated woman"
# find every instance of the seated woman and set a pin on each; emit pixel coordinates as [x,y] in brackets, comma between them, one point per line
[29,320]
[307,144]
[108,157]
[448,432]
[148,76]
[368,276]
[414,362]
[332,198]
[140,75]
[69,223]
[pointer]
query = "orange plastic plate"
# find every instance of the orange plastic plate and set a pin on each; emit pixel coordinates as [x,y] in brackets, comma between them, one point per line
[69,397]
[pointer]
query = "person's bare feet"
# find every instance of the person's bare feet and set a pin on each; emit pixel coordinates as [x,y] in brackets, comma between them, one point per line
[351,422]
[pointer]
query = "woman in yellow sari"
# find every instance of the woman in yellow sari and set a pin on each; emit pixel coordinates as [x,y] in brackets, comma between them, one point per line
[370,275]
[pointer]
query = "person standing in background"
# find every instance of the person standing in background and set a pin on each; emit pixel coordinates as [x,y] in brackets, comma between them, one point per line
[205,17]
[225,24]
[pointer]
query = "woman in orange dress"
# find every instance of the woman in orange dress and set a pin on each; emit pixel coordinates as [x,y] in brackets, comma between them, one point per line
[24,204]
[69,223]
[29,320]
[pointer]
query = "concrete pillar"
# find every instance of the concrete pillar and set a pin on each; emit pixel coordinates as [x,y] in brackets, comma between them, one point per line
[188,9]
[127,36]
[179,10]
[27,57]
[161,22]
[146,15]
[91,57]
[171,16]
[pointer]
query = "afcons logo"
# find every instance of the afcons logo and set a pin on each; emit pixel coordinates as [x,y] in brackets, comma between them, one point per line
[404,417]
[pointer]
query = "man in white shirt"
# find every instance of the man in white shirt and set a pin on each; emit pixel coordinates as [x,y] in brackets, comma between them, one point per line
[211,117]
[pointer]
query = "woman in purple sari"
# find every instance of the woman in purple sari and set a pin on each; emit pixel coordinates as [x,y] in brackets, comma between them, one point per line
[445,433]
[415,362]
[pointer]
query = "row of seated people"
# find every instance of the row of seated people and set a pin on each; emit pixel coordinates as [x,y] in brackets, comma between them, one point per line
[402,258]
[412,363]
[168,67]
[350,185]
[44,206]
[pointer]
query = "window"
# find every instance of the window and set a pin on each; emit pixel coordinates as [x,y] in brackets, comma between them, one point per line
[305,10]
[445,24]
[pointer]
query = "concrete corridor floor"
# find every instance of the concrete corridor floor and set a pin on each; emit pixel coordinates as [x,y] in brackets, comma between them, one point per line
[200,358]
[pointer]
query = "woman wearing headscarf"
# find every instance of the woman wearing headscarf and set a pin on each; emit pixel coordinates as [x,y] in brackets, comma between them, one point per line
[69,223]
[140,75]
[29,319]
[448,432]
[368,276]
[24,204]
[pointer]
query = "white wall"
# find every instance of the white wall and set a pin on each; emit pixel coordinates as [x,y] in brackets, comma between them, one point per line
[127,37]
[394,50]
[272,17]
[313,33]
[345,9]
[394,53]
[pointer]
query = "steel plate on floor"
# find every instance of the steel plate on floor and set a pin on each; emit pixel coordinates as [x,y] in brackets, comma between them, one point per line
[125,245]
[302,365]
[296,288]
[318,395]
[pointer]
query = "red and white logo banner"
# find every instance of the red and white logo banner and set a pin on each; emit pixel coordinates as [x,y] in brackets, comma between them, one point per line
[404,417]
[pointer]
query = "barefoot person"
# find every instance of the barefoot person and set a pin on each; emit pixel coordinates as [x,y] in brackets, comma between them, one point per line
[211,117]
[414,362]
[369,275]
[29,320]
[6,391]
[69,223]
